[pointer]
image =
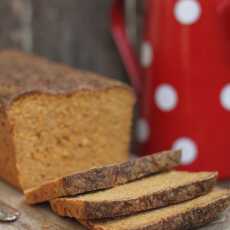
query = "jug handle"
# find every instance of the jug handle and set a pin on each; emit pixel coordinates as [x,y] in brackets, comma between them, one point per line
[126,51]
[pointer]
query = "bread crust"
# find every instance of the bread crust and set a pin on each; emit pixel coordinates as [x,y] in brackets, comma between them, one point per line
[8,166]
[189,219]
[29,75]
[104,177]
[81,209]
[24,75]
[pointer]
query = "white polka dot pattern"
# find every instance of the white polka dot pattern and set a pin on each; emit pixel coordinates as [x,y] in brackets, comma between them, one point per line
[166,97]
[146,56]
[189,149]
[142,131]
[187,12]
[225,97]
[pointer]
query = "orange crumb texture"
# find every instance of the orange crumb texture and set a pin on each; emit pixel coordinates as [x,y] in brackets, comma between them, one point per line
[55,120]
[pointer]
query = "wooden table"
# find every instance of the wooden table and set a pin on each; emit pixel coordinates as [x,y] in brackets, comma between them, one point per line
[41,218]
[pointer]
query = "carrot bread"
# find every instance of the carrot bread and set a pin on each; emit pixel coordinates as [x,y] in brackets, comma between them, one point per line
[103,177]
[187,215]
[55,120]
[147,193]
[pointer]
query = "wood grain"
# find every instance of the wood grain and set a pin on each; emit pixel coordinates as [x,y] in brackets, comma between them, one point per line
[71,31]
[41,217]
[33,218]
[77,33]
[15,24]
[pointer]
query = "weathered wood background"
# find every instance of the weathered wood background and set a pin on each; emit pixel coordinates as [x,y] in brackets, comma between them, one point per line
[76,32]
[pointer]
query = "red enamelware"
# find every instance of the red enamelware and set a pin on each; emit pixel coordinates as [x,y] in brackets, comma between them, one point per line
[182,79]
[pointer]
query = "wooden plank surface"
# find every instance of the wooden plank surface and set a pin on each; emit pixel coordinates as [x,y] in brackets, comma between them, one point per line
[33,218]
[41,217]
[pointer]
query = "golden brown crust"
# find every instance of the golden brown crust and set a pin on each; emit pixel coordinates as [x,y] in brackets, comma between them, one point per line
[81,209]
[103,177]
[8,166]
[193,217]
[24,74]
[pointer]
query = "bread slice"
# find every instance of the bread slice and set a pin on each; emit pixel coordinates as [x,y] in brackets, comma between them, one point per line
[187,215]
[103,177]
[147,193]
[55,120]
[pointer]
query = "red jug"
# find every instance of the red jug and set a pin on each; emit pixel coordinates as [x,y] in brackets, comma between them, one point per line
[182,79]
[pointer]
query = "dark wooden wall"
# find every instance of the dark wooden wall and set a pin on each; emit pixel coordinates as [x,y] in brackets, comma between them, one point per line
[15,24]
[76,32]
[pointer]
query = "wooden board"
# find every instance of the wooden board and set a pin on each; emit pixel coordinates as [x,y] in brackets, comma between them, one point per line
[32,218]
[41,217]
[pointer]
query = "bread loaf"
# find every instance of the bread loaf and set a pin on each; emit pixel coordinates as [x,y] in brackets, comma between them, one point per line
[147,193]
[103,177]
[187,215]
[55,120]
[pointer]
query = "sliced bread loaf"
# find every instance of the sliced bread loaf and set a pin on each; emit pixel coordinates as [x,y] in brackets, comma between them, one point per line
[55,120]
[187,215]
[103,177]
[147,193]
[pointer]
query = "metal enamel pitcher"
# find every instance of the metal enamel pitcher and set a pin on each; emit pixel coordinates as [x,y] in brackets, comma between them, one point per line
[182,79]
